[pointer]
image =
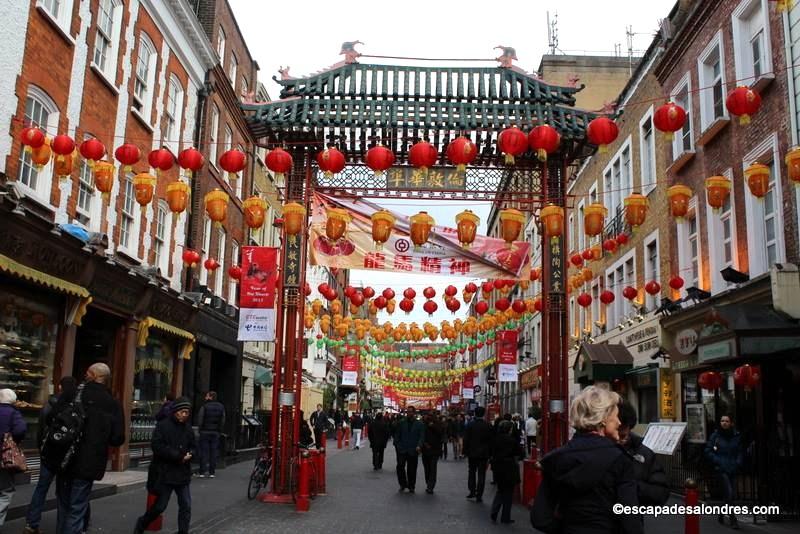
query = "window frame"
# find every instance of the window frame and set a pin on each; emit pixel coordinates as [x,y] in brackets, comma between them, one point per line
[221,43]
[650,150]
[132,215]
[172,130]
[706,94]
[742,54]
[678,149]
[162,260]
[213,136]
[614,196]
[219,274]
[621,307]
[715,231]
[206,241]
[684,246]
[62,18]
[233,69]
[652,238]
[43,180]
[145,101]
[109,67]
[232,285]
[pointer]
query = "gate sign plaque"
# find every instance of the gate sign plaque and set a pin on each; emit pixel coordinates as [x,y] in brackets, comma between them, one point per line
[556,266]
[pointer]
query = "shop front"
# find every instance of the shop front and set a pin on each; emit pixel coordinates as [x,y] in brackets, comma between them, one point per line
[530,382]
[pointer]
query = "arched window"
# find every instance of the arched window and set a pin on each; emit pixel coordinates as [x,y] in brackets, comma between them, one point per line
[41,111]
[145,77]
[173,114]
[219,275]
[161,240]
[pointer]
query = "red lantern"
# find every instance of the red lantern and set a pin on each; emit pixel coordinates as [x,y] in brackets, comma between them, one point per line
[502,304]
[576,260]
[584,300]
[676,282]
[630,293]
[461,152]
[62,145]
[92,150]
[487,287]
[306,287]
[481,307]
[280,162]
[513,143]
[610,245]
[348,291]
[536,273]
[607,297]
[235,273]
[430,307]
[407,305]
[381,302]
[471,288]
[602,131]
[368,292]
[323,288]
[453,304]
[409,293]
[622,239]
[587,254]
[32,137]
[710,380]
[519,306]
[330,294]
[451,291]
[652,288]
[191,257]
[331,161]
[747,376]
[211,264]
[190,160]
[422,155]
[743,102]
[429,292]
[538,305]
[544,140]
[128,155]
[379,159]
[161,160]
[233,161]
[388,293]
[357,298]
[669,118]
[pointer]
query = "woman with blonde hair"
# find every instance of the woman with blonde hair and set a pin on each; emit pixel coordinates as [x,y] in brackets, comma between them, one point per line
[584,479]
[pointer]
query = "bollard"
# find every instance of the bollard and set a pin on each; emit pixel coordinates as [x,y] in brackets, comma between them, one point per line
[319,465]
[339,438]
[158,522]
[347,437]
[303,502]
[692,499]
[531,478]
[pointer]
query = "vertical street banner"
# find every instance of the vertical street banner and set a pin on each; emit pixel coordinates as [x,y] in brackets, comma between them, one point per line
[257,294]
[387,397]
[507,356]
[468,388]
[350,371]
[455,392]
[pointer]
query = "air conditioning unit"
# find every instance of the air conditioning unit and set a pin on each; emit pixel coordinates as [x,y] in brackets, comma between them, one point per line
[785,280]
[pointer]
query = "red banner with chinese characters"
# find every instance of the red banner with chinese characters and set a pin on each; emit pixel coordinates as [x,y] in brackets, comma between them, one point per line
[469,385]
[455,392]
[487,257]
[349,370]
[257,293]
[507,356]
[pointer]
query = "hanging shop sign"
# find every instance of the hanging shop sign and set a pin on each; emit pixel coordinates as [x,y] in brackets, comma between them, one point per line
[667,393]
[686,341]
[257,294]
[556,265]
[716,351]
[468,388]
[349,370]
[507,356]
[455,392]
[437,251]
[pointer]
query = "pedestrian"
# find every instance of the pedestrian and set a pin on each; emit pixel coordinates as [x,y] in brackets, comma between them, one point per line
[66,386]
[357,424]
[337,418]
[102,428]
[478,449]
[210,422]
[505,452]
[306,438]
[445,438]
[319,422]
[584,479]
[166,408]
[724,452]
[530,432]
[408,438]
[378,435]
[173,446]
[431,450]
[461,428]
[651,481]
[11,422]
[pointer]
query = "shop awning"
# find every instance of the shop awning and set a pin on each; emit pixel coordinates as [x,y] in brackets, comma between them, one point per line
[152,322]
[601,362]
[24,272]
[263,376]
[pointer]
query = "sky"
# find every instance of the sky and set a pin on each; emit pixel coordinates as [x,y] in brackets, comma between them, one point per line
[307,37]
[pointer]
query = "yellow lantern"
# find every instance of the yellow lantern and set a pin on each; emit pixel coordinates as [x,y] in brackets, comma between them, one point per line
[64,165]
[717,190]
[293,216]
[421,225]
[635,209]
[177,197]
[41,156]
[587,274]
[216,203]
[793,165]
[757,176]
[679,196]
[144,186]
[382,225]
[336,226]
[597,252]
[255,211]
[552,218]
[511,222]
[103,178]
[467,227]
[594,219]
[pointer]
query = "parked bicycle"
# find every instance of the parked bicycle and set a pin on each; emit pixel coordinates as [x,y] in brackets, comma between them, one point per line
[262,471]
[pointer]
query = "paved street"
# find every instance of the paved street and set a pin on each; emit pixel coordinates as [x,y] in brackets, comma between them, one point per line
[359,500]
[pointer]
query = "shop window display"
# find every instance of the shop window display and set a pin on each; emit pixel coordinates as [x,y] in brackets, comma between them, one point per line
[152,380]
[28,334]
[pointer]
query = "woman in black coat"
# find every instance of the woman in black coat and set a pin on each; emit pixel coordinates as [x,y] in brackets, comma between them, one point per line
[506,449]
[431,449]
[584,479]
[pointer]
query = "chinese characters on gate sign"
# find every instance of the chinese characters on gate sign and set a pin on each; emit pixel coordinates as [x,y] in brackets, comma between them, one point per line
[436,178]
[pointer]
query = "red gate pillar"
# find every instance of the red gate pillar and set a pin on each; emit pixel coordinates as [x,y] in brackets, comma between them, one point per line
[555,335]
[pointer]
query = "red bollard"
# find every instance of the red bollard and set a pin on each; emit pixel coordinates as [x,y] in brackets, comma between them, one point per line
[319,467]
[158,522]
[347,437]
[692,499]
[303,502]
[339,438]
[531,478]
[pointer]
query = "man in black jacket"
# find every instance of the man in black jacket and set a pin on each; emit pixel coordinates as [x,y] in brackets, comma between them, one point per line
[210,422]
[102,428]
[173,446]
[319,422]
[378,434]
[651,481]
[478,449]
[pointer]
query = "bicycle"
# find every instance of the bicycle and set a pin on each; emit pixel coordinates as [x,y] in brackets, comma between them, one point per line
[262,471]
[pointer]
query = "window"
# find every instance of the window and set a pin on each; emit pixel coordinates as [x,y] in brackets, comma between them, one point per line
[618,180]
[580,233]
[172,115]
[595,315]
[109,21]
[240,180]
[205,249]
[59,10]
[231,283]
[221,45]
[682,96]
[39,111]
[652,269]
[220,272]
[213,135]
[694,253]
[232,68]
[751,41]
[618,276]
[160,248]
[244,88]
[127,228]
[712,82]
[145,77]
[571,233]
[647,153]
[85,193]
[689,247]
[722,240]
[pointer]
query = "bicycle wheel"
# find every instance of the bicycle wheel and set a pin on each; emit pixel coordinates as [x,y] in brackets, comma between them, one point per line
[256,481]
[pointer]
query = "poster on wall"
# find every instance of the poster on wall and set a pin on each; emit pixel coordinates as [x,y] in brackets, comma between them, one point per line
[468,389]
[507,356]
[350,370]
[257,293]
[695,423]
